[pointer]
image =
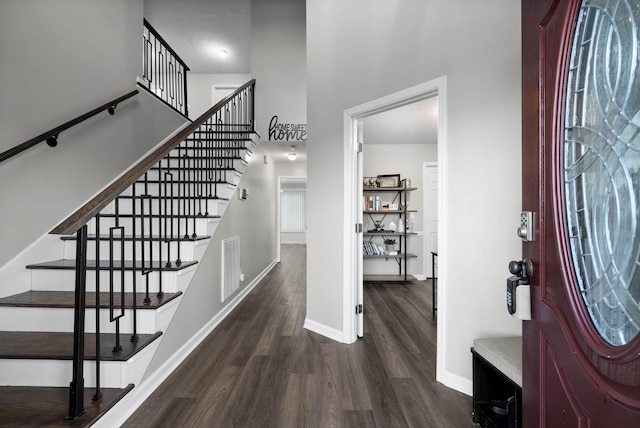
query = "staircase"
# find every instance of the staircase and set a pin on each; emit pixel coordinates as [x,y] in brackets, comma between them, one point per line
[128,256]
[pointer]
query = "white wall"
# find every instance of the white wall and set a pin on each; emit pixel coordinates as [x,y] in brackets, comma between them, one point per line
[278,62]
[59,60]
[200,89]
[291,169]
[358,53]
[201,303]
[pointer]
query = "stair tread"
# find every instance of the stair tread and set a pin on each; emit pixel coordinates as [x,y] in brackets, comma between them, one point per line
[66,299]
[206,182]
[105,237]
[217,140]
[175,197]
[48,406]
[196,169]
[172,216]
[207,158]
[70,264]
[59,345]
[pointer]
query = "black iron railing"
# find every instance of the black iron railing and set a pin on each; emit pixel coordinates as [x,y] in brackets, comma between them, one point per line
[137,225]
[51,136]
[163,72]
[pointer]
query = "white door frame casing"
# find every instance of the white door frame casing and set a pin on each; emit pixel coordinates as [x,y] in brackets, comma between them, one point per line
[426,219]
[351,245]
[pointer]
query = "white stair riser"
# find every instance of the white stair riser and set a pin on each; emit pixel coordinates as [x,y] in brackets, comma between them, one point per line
[61,319]
[152,250]
[172,206]
[220,190]
[64,280]
[197,168]
[223,191]
[235,177]
[180,227]
[241,149]
[58,373]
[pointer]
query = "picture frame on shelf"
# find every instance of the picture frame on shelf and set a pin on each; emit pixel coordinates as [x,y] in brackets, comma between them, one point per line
[389,180]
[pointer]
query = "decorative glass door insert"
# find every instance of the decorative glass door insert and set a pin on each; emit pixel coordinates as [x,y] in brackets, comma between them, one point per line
[601,158]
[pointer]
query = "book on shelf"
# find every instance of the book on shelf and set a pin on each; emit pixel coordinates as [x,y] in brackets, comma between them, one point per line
[372,203]
[370,248]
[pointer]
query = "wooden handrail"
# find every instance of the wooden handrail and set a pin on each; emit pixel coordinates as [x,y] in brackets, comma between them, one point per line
[76,220]
[52,135]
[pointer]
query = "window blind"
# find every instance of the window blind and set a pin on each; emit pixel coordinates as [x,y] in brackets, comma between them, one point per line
[293,211]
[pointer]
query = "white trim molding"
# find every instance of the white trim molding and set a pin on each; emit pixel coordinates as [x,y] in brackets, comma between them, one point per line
[324,330]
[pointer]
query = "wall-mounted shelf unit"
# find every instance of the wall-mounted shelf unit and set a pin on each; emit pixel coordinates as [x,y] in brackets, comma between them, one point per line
[374,199]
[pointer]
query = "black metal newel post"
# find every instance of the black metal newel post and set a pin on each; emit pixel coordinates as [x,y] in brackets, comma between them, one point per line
[76,388]
[98,393]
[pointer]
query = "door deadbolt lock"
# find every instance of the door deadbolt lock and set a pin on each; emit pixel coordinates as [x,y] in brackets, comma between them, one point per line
[525,231]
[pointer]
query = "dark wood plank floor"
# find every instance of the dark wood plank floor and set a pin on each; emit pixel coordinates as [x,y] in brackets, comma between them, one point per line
[260,368]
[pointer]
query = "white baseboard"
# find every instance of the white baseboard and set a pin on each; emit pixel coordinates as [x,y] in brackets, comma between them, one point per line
[134,399]
[459,383]
[324,330]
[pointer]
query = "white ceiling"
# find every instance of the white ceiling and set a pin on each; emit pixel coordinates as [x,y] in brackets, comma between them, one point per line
[197,29]
[415,123]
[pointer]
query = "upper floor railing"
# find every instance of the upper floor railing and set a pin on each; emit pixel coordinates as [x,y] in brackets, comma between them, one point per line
[163,73]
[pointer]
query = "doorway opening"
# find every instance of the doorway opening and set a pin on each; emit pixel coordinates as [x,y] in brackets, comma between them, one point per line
[353,143]
[291,215]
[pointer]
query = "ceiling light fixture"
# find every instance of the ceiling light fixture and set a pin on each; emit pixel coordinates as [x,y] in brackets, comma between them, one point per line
[292,156]
[223,53]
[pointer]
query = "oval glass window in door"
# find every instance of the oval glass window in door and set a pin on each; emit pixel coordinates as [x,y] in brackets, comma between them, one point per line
[601,159]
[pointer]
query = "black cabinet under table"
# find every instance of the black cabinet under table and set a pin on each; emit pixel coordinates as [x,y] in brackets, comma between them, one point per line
[497,382]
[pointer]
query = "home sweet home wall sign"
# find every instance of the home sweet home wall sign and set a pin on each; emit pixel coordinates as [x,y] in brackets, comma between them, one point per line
[286,131]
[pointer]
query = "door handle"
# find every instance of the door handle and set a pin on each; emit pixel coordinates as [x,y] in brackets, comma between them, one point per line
[522,269]
[519,290]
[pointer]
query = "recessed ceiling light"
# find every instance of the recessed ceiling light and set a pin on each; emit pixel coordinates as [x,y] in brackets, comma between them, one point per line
[223,53]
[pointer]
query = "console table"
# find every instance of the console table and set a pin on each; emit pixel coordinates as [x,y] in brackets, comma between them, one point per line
[497,382]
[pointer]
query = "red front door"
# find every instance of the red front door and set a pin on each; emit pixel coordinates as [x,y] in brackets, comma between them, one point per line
[581,349]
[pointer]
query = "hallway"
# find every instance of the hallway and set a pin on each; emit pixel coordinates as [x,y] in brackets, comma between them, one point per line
[260,368]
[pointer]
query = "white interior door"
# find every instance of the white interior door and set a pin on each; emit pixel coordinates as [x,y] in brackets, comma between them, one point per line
[430,209]
[360,297]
